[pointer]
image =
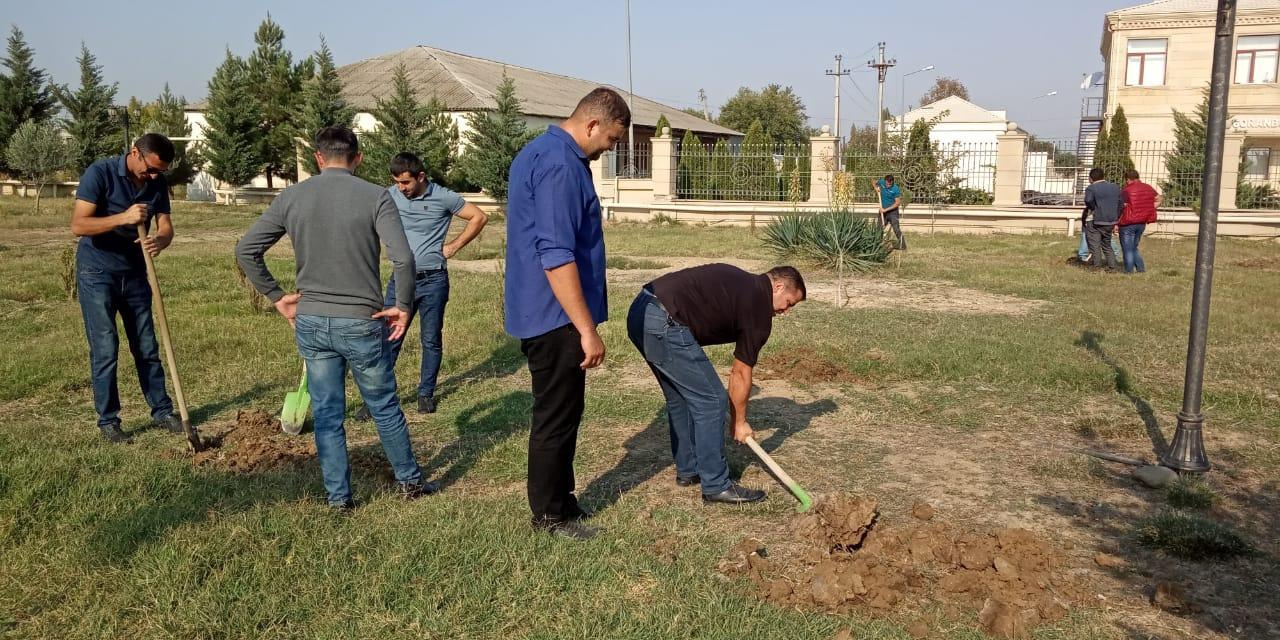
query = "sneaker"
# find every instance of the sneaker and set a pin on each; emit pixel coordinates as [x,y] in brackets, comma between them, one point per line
[362,414]
[414,490]
[569,530]
[426,404]
[171,423]
[111,433]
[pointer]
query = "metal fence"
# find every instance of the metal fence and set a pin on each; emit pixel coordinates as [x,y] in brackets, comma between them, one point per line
[620,163]
[940,174]
[724,171]
[1056,173]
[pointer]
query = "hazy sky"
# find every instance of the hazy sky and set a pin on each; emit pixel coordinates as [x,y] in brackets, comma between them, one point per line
[1006,51]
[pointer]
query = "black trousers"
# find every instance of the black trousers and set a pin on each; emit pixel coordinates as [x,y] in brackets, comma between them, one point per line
[559,389]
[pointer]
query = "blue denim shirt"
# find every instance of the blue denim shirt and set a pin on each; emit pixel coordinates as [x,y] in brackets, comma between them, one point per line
[553,218]
[106,184]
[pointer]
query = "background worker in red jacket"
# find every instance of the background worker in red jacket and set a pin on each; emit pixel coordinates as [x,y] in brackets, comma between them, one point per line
[1139,201]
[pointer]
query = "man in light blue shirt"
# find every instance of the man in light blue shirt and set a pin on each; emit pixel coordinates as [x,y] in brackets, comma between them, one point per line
[426,210]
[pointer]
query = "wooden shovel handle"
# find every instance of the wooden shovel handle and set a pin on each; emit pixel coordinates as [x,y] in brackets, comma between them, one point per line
[162,323]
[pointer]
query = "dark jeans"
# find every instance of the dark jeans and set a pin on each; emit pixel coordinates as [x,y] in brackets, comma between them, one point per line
[1099,238]
[103,295]
[430,294]
[559,390]
[1130,235]
[892,218]
[696,400]
[329,345]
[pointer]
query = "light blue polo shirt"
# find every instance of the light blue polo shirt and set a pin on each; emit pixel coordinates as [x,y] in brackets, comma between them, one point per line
[426,221]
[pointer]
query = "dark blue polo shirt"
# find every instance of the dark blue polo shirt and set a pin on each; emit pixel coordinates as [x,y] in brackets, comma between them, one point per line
[553,218]
[106,184]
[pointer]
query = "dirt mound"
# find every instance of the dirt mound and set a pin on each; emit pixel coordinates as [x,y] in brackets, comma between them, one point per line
[803,365]
[1258,263]
[255,442]
[1017,580]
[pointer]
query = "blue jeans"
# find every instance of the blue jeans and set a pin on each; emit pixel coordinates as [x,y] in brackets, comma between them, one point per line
[103,295]
[329,345]
[430,294]
[1083,251]
[1130,235]
[696,401]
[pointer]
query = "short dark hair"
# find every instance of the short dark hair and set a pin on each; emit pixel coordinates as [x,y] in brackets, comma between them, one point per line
[337,142]
[1096,174]
[156,144]
[889,178]
[1130,174]
[606,105]
[406,162]
[790,277]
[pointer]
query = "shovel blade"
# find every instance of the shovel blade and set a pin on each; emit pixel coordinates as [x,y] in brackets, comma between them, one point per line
[193,437]
[294,414]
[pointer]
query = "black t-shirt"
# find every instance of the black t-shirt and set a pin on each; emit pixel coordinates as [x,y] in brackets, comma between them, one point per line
[720,303]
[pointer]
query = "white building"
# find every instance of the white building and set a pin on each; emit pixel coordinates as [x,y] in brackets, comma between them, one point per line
[965,136]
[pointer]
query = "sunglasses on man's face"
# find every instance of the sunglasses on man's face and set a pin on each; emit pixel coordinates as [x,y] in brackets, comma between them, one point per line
[151,171]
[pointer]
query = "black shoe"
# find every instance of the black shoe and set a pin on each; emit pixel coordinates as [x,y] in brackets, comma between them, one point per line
[568,529]
[362,415]
[687,481]
[343,508]
[579,514]
[426,404]
[413,491]
[111,433]
[170,422]
[735,494]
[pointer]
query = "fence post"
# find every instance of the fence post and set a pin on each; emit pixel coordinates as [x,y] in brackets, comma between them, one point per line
[822,165]
[1011,156]
[1233,145]
[663,165]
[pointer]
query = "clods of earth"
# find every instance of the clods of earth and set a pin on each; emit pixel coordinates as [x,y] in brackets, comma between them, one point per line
[254,443]
[1016,580]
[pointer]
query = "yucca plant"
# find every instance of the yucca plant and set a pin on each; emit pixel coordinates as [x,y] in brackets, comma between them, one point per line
[838,240]
[784,235]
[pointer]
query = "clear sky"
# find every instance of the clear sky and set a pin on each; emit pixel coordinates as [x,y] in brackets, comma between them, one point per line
[1006,51]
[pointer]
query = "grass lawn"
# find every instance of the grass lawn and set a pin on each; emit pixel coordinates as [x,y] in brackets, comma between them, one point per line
[966,375]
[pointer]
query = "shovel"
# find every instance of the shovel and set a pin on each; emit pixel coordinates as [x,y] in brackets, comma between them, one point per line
[296,405]
[162,323]
[791,485]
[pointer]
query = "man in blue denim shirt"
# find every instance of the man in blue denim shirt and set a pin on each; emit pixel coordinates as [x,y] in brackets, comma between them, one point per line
[335,222]
[555,293]
[426,209]
[113,197]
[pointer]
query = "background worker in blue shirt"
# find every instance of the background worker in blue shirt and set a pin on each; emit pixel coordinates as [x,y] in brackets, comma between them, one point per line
[115,195]
[891,206]
[426,209]
[555,292]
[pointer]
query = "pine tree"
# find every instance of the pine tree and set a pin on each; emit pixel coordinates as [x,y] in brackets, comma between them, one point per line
[1185,164]
[234,133]
[920,181]
[94,132]
[691,170]
[167,115]
[756,170]
[493,141]
[404,126]
[25,91]
[662,123]
[276,87]
[37,152]
[322,103]
[441,137]
[1112,153]
[719,182]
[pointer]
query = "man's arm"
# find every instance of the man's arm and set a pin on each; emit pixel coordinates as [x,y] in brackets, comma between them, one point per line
[391,232]
[84,223]
[476,219]
[160,238]
[262,235]
[555,229]
[897,201]
[739,391]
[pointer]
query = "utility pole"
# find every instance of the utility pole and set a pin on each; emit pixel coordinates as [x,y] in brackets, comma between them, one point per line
[882,67]
[702,97]
[631,94]
[836,75]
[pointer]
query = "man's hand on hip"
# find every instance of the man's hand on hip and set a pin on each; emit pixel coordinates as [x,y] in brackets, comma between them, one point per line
[396,319]
[287,305]
[593,347]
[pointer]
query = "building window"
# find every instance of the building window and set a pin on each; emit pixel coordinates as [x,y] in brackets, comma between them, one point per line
[1257,163]
[1144,66]
[1256,58]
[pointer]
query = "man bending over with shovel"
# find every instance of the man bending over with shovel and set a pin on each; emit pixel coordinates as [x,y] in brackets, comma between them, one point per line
[336,222]
[670,321]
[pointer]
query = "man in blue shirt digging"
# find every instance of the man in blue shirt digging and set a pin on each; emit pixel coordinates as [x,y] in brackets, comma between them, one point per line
[426,209]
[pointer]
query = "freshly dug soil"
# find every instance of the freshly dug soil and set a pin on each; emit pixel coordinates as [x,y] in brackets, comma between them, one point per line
[803,365]
[255,443]
[1017,580]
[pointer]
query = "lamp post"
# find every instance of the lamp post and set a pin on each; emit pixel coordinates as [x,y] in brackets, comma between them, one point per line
[1046,95]
[631,94]
[1186,453]
[902,104]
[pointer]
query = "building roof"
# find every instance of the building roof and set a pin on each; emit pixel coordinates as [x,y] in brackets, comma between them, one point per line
[961,110]
[1160,7]
[468,83]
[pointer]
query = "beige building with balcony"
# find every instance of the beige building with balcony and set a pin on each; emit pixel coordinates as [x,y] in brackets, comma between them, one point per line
[1159,56]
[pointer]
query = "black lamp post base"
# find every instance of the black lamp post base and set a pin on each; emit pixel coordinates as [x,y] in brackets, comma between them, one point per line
[1186,453]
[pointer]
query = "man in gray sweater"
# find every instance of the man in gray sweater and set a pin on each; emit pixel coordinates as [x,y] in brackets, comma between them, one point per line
[1102,199]
[335,222]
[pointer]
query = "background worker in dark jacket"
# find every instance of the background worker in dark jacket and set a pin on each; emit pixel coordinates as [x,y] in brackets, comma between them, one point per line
[1102,200]
[670,321]
[1140,201]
